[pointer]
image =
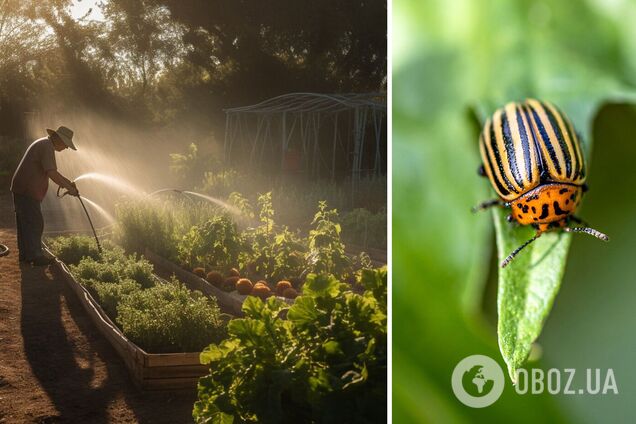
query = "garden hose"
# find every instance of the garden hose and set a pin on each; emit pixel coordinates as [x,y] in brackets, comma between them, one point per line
[90,221]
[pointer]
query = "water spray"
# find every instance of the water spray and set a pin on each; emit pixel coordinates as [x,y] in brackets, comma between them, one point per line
[90,221]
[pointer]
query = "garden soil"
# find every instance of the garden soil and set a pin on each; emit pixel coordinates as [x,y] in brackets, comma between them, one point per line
[55,366]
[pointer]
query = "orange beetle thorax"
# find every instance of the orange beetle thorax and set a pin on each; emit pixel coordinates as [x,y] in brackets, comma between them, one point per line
[548,203]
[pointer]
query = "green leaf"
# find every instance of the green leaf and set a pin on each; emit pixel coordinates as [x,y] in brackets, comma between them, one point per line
[303,311]
[527,287]
[332,347]
[222,418]
[321,285]
[247,330]
[210,354]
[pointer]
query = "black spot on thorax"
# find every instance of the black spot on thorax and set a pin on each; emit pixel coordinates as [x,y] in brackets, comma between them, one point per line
[557,209]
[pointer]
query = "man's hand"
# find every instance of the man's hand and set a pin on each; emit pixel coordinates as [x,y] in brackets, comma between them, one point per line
[72,190]
[62,181]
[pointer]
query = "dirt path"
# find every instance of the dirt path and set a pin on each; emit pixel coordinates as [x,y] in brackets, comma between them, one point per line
[55,367]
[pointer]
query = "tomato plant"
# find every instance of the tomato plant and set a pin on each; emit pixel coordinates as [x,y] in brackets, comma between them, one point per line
[326,251]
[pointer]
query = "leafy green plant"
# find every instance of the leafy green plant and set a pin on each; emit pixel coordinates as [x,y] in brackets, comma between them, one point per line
[146,224]
[272,252]
[170,318]
[110,294]
[220,183]
[326,362]
[243,204]
[326,254]
[114,266]
[190,166]
[159,317]
[216,244]
[364,228]
[288,255]
[72,249]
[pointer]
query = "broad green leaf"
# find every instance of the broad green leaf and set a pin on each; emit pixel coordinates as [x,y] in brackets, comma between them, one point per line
[253,307]
[210,354]
[321,285]
[246,329]
[303,311]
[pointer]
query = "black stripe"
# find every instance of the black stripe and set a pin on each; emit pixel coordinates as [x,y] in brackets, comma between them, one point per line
[495,150]
[543,167]
[500,188]
[510,149]
[560,138]
[578,150]
[524,143]
[546,140]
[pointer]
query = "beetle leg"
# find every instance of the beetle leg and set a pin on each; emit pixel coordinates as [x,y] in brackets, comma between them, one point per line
[514,253]
[481,170]
[487,204]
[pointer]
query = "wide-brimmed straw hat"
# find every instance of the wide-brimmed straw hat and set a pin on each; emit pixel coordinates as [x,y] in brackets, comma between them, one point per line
[65,134]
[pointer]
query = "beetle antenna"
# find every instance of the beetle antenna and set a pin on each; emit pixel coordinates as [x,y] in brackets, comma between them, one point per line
[587,230]
[514,253]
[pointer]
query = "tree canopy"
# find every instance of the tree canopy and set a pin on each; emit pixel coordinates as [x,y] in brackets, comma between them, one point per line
[160,61]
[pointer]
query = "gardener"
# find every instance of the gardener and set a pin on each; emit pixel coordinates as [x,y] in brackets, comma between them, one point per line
[29,185]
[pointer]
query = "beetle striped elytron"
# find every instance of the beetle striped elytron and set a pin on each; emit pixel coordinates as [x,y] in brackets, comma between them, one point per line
[534,161]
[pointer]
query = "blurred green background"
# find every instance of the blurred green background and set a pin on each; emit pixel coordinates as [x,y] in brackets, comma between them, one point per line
[452,57]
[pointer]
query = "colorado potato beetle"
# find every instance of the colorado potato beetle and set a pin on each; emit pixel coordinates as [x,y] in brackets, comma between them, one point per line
[533,158]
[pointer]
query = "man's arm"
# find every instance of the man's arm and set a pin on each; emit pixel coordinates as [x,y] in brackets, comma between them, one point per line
[62,181]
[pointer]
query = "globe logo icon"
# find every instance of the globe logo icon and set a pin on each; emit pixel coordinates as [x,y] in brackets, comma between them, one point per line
[477,381]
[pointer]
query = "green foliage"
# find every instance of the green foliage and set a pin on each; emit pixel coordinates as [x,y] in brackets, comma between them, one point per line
[220,184]
[259,255]
[159,317]
[189,167]
[272,252]
[243,204]
[73,248]
[325,363]
[110,294]
[170,318]
[216,244]
[146,224]
[112,276]
[326,254]
[114,266]
[287,253]
[365,228]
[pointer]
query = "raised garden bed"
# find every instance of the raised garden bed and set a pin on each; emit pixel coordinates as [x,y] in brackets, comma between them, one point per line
[150,371]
